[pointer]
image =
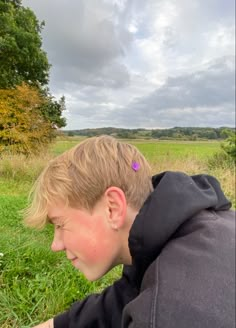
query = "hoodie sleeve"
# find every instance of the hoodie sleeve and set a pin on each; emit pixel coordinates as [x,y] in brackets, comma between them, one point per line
[101,310]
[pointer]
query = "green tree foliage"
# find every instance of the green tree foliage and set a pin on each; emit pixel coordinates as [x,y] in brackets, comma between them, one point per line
[21,55]
[180,133]
[189,133]
[52,109]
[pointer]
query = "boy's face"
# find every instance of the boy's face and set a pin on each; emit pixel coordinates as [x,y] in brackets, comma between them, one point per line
[87,238]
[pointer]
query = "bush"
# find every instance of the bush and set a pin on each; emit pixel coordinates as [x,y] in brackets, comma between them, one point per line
[221,160]
[229,146]
[29,120]
[226,158]
[23,130]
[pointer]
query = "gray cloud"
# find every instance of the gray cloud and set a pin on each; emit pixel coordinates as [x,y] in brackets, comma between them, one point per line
[84,41]
[211,87]
[114,75]
[203,98]
[132,63]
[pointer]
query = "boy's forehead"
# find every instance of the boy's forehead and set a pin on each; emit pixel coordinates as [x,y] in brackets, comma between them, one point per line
[58,211]
[55,211]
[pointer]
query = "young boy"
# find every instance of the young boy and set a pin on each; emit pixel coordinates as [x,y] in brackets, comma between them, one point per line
[173,233]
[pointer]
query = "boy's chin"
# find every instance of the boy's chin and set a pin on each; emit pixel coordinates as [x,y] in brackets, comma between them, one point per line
[93,275]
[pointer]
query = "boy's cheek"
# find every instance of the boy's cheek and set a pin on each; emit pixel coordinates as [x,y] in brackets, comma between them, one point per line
[94,252]
[90,250]
[91,242]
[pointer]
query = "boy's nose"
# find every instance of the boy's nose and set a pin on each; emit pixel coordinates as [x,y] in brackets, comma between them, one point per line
[57,244]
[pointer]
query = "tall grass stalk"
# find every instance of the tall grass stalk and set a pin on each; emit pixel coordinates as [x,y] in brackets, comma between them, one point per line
[21,168]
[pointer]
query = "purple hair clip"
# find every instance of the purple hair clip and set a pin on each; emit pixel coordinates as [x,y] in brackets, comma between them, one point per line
[135,166]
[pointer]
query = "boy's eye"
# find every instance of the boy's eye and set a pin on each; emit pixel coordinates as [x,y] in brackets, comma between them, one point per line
[58,226]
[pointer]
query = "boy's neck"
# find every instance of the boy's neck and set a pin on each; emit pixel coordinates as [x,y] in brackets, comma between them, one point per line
[130,217]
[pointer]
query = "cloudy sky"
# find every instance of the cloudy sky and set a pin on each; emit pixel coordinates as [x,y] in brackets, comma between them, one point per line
[137,63]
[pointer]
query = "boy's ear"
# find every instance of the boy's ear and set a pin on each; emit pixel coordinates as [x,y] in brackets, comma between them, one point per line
[117,207]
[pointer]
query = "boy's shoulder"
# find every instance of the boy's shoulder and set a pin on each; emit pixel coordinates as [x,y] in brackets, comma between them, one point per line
[192,279]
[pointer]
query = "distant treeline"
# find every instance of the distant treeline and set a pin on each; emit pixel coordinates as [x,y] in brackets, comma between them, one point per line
[184,133]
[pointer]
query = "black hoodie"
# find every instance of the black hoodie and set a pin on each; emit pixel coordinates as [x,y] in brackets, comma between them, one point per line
[182,243]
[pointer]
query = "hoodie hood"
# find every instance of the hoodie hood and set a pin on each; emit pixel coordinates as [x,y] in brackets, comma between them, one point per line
[176,198]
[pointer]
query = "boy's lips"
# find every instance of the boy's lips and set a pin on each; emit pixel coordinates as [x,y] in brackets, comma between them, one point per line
[72,259]
[75,263]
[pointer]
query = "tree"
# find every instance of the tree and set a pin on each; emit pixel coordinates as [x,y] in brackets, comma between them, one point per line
[29,114]
[23,129]
[21,55]
[52,110]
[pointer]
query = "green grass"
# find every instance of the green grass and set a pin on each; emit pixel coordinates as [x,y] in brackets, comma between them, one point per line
[35,283]
[174,150]
[63,144]
[155,149]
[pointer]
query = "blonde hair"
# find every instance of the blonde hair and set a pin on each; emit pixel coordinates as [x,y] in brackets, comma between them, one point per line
[80,176]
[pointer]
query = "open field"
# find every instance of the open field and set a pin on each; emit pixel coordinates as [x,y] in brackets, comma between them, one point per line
[154,148]
[35,283]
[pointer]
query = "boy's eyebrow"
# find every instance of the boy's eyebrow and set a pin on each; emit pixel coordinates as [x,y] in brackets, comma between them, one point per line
[52,219]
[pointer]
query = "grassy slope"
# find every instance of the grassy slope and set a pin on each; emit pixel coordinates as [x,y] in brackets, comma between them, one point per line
[35,284]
